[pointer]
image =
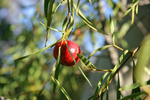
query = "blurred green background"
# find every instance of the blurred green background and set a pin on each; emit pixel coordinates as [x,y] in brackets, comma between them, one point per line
[21,33]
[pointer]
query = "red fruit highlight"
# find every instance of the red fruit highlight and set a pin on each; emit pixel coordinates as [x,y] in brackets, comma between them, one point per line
[66,58]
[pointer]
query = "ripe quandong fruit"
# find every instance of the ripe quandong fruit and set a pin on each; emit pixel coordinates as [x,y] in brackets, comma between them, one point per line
[66,58]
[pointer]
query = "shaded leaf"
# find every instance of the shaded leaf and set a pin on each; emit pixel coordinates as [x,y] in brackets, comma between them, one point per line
[143,61]
[98,85]
[118,86]
[46,2]
[78,65]
[134,95]
[61,88]
[57,67]
[124,57]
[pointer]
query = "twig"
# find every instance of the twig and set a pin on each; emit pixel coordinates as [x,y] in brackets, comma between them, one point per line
[131,54]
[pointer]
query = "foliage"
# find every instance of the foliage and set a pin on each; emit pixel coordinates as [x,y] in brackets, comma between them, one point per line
[28,70]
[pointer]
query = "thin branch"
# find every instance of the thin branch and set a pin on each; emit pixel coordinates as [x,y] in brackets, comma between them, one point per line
[131,54]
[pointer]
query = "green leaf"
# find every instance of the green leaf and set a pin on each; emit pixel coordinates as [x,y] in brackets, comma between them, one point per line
[134,95]
[124,57]
[61,88]
[86,61]
[90,2]
[49,15]
[131,6]
[54,29]
[57,66]
[46,2]
[50,12]
[123,30]
[107,95]
[133,10]
[89,65]
[130,87]
[58,5]
[133,86]
[77,9]
[78,65]
[99,49]
[136,9]
[112,27]
[118,86]
[99,85]
[143,61]
[71,21]
[87,21]
[64,26]
[35,53]
[135,90]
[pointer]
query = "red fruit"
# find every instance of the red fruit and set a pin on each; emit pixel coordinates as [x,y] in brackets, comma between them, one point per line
[66,58]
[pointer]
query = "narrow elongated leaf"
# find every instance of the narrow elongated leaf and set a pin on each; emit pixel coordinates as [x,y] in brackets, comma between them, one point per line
[58,5]
[78,65]
[46,2]
[64,26]
[133,86]
[49,17]
[50,12]
[107,95]
[77,9]
[57,67]
[99,49]
[136,9]
[86,61]
[61,88]
[134,95]
[87,21]
[89,65]
[37,52]
[98,85]
[54,29]
[124,57]
[131,6]
[112,27]
[118,86]
[133,10]
[68,31]
[135,90]
[130,87]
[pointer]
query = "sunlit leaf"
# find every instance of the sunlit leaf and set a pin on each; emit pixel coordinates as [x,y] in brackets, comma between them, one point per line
[133,86]
[61,88]
[133,10]
[35,53]
[86,61]
[99,49]
[124,57]
[131,6]
[89,65]
[49,17]
[86,21]
[54,29]
[112,27]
